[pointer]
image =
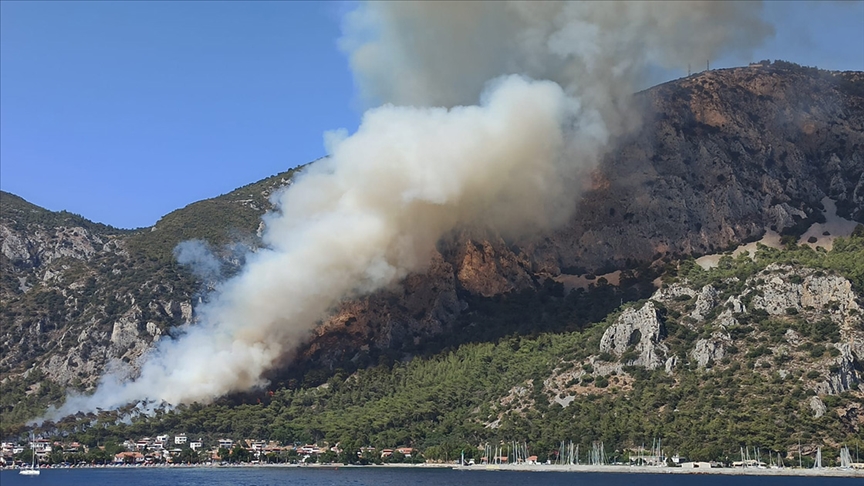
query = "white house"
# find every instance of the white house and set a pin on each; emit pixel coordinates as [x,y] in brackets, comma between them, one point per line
[41,446]
[160,443]
[180,439]
[696,465]
[309,449]
[226,443]
[196,444]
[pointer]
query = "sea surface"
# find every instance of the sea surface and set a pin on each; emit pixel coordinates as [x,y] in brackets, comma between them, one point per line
[380,477]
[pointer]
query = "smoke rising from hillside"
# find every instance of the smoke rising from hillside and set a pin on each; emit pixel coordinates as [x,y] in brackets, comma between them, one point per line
[199,258]
[443,53]
[370,214]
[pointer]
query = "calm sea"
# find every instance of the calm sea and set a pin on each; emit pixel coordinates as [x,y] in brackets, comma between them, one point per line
[380,477]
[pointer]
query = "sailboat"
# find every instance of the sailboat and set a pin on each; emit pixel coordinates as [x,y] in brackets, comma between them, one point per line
[845,458]
[33,471]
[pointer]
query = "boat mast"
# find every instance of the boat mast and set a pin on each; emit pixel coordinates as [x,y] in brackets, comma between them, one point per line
[799,454]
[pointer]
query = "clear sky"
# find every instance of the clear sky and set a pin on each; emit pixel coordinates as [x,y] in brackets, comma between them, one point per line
[124,111]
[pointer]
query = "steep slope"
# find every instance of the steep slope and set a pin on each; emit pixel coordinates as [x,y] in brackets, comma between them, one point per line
[763,353]
[731,152]
[77,294]
[721,156]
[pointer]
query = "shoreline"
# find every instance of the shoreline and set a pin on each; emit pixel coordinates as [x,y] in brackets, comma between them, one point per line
[614,469]
[727,471]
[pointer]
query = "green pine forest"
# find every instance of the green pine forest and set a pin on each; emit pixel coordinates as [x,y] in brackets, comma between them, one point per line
[443,402]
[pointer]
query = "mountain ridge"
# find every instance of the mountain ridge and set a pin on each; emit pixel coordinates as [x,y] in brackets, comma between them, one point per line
[721,157]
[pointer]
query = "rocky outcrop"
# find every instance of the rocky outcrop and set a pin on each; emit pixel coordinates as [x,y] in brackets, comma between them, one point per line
[640,331]
[735,305]
[792,337]
[671,363]
[131,335]
[25,249]
[817,406]
[842,376]
[798,313]
[483,270]
[778,294]
[181,309]
[727,319]
[711,350]
[673,292]
[15,246]
[705,302]
[787,289]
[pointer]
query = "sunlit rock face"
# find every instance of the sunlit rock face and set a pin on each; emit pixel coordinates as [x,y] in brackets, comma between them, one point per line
[640,331]
[721,157]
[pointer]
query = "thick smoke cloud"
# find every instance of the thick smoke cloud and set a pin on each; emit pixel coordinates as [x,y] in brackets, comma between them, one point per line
[443,53]
[371,213]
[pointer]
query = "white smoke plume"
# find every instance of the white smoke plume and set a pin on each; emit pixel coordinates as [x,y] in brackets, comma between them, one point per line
[199,258]
[443,53]
[371,213]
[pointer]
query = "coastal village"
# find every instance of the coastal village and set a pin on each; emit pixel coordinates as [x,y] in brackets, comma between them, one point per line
[180,449]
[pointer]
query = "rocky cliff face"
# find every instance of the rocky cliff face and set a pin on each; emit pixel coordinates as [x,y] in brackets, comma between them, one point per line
[639,331]
[77,296]
[721,157]
[784,324]
[62,306]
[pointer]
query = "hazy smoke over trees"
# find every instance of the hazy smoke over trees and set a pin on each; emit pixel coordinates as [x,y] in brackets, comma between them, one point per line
[499,109]
[199,258]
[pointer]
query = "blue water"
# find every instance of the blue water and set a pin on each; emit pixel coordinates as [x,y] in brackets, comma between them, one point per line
[380,477]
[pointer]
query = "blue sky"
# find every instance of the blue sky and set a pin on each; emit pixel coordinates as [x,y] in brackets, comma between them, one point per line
[125,111]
